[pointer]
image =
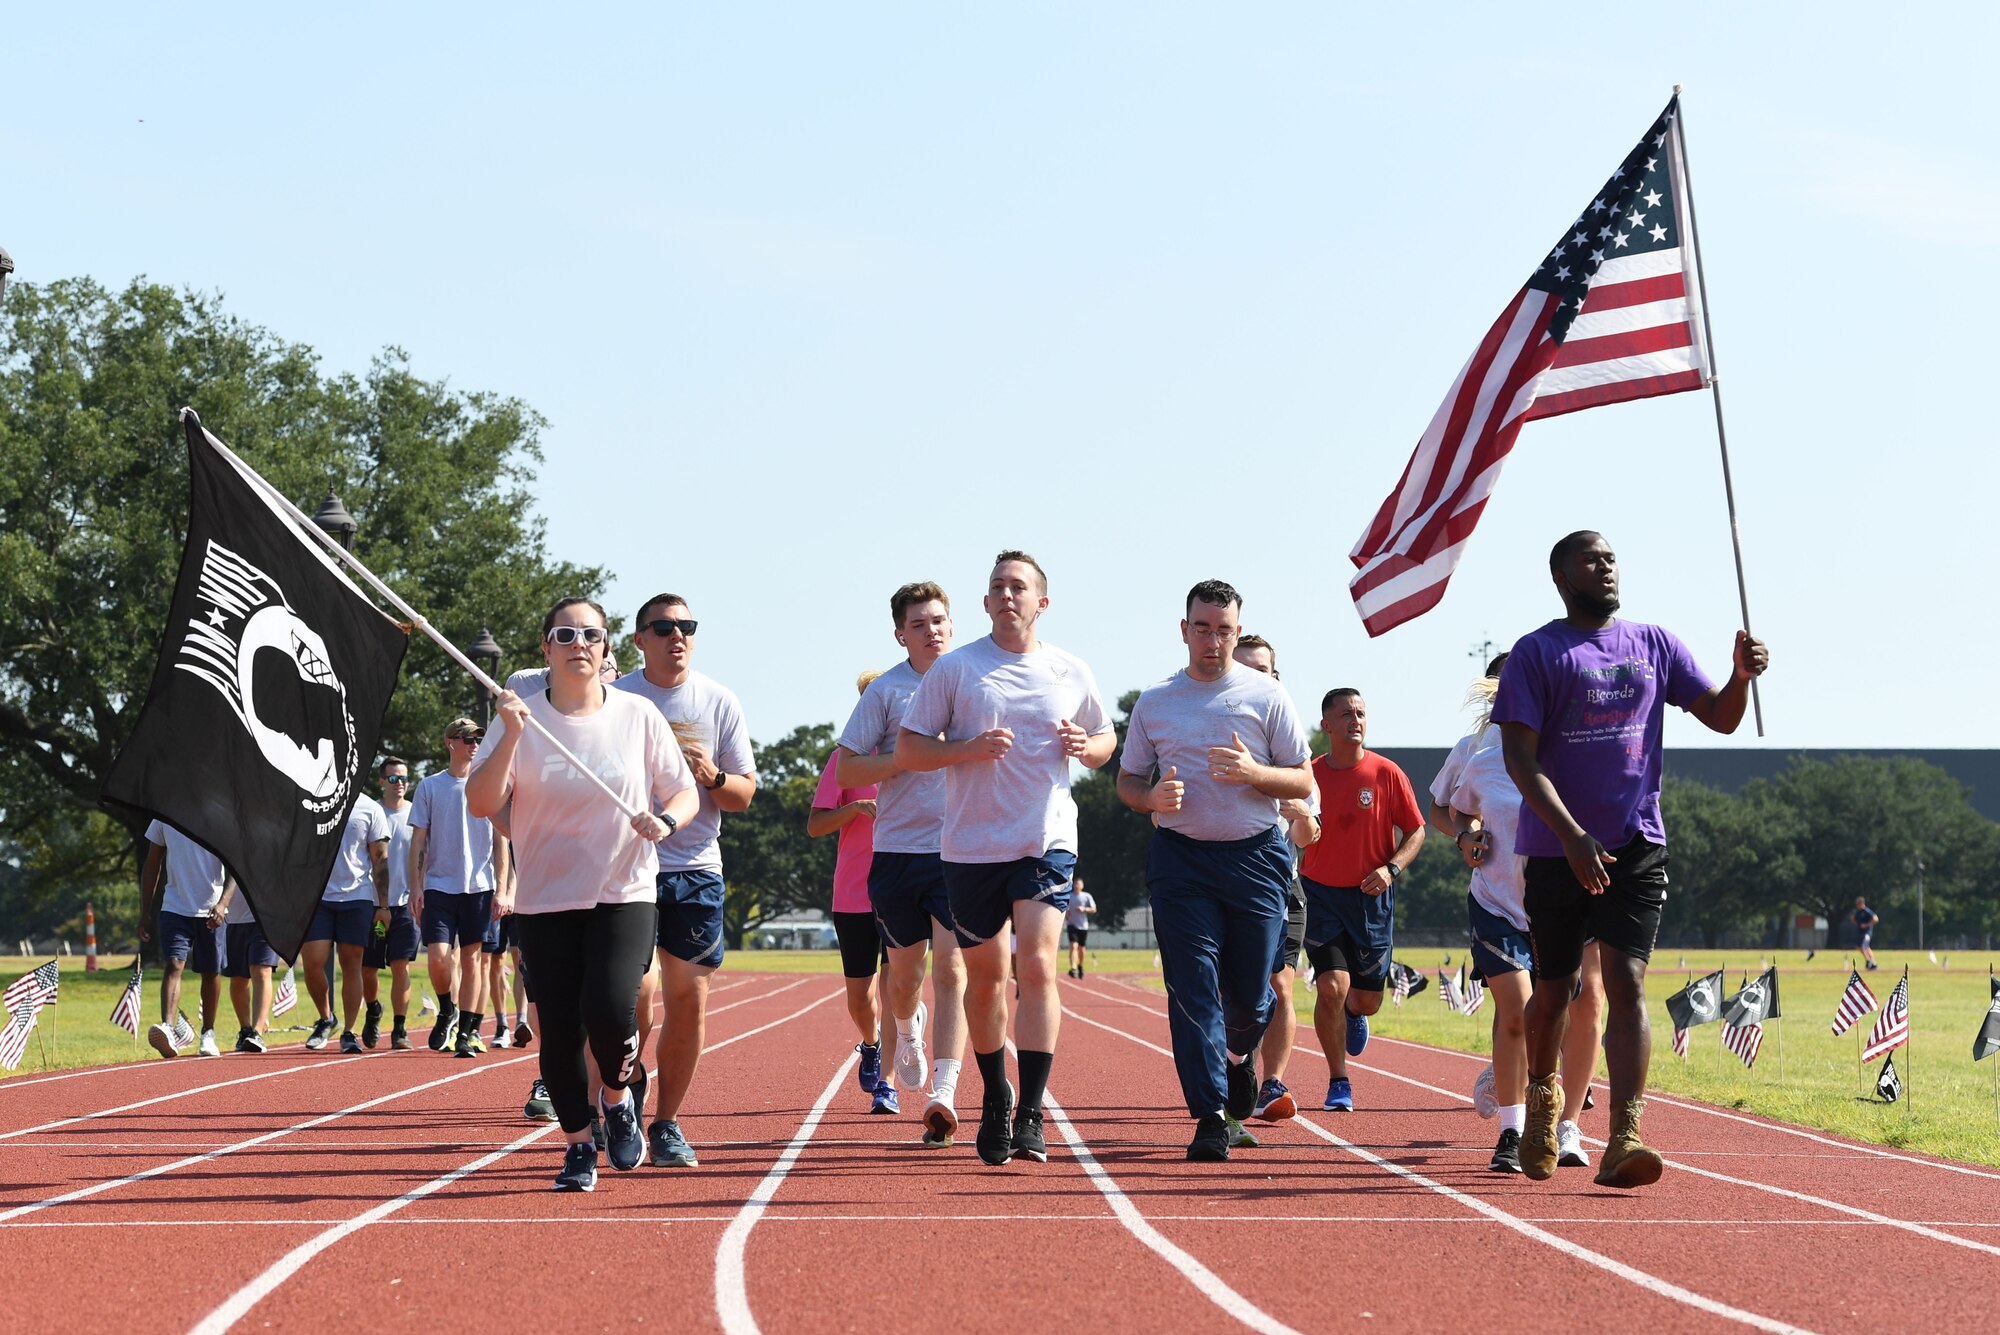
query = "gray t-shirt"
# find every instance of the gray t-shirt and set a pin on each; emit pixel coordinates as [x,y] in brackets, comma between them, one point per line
[700,709]
[399,854]
[458,847]
[1020,805]
[1177,720]
[353,879]
[909,808]
[195,876]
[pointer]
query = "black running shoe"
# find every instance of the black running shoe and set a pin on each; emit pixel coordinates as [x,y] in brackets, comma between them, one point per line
[399,1039]
[524,1034]
[444,1031]
[579,1170]
[625,1143]
[1028,1142]
[322,1030]
[1507,1154]
[1211,1140]
[349,1044]
[371,1025]
[249,1040]
[996,1131]
[1241,1099]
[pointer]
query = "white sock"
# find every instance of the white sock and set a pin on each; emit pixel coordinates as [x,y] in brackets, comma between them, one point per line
[1513,1116]
[944,1079]
[905,1028]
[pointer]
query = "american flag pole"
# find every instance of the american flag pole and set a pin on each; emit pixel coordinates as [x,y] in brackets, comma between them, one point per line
[1715,388]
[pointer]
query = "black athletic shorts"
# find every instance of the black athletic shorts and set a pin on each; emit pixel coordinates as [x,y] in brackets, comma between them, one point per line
[1078,936]
[862,949]
[1562,915]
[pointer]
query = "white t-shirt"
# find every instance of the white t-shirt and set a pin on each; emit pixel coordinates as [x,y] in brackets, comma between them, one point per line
[1020,805]
[1474,780]
[353,879]
[194,875]
[458,849]
[700,709]
[1175,723]
[909,808]
[399,854]
[1081,905]
[573,847]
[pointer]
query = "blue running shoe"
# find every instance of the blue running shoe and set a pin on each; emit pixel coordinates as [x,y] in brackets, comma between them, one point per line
[666,1147]
[579,1170]
[1339,1097]
[869,1074]
[885,1099]
[1357,1034]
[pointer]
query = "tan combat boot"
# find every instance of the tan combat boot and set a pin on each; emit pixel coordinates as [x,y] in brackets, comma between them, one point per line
[1627,1161]
[1538,1137]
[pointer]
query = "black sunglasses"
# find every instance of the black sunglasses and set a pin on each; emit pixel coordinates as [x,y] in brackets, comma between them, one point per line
[395,778]
[665,625]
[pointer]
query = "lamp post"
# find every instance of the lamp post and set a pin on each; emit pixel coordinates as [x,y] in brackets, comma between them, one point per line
[335,522]
[485,651]
[6,267]
[1920,902]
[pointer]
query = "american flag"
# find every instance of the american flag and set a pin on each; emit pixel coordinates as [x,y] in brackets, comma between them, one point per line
[1893,1029]
[39,983]
[1681,1044]
[286,997]
[14,1038]
[1743,1040]
[183,1035]
[1448,991]
[126,1013]
[1610,315]
[1473,997]
[1402,992]
[1855,1002]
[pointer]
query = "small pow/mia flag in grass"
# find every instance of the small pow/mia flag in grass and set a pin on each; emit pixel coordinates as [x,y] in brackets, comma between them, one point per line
[1755,1002]
[1987,1041]
[1700,1002]
[1889,1085]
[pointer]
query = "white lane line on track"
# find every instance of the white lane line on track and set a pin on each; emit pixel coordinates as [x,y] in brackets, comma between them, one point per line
[263,1285]
[240,1302]
[1689,1105]
[1631,1274]
[98,1188]
[1205,1281]
[1262,1220]
[717,1010]
[1804,1198]
[179,1094]
[732,1292]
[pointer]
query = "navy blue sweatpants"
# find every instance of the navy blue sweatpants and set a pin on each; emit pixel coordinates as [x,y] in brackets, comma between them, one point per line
[1219,913]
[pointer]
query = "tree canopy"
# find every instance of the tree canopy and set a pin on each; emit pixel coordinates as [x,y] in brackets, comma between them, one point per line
[93,513]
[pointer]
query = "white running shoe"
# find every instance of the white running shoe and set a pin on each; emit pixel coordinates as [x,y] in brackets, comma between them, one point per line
[162,1039]
[1484,1101]
[208,1046]
[912,1062]
[1569,1146]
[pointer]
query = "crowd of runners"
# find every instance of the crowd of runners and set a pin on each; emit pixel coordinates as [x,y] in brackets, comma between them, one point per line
[949,791]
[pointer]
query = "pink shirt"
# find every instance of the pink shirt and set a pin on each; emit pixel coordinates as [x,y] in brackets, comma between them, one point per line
[857,841]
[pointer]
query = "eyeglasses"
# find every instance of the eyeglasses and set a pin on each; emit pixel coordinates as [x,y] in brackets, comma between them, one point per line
[571,634]
[665,626]
[395,778]
[468,738]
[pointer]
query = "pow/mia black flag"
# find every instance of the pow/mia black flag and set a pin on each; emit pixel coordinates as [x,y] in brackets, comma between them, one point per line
[1987,1041]
[1889,1085]
[267,701]
[1700,1002]
[1755,1003]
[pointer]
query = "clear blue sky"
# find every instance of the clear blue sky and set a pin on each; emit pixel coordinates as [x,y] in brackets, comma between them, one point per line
[818,299]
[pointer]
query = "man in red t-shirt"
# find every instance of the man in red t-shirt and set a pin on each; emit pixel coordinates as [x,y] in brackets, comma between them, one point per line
[1371,829]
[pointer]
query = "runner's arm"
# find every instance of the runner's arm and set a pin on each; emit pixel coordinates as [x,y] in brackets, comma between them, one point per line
[854,770]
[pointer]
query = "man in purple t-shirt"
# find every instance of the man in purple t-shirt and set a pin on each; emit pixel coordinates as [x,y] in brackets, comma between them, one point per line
[1580,709]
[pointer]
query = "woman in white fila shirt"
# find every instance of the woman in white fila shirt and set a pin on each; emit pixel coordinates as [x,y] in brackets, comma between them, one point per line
[585,899]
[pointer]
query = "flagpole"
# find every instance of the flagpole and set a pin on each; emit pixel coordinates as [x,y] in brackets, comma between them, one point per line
[417,621]
[1715,392]
[1909,1050]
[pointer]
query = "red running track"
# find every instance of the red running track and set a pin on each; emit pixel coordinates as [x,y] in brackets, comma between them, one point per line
[277,1191]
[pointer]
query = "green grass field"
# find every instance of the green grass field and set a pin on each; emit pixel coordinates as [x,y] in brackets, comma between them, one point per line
[1949,1106]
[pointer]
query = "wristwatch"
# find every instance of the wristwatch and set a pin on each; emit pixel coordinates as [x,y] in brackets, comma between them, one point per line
[672,824]
[1394,870]
[721,777]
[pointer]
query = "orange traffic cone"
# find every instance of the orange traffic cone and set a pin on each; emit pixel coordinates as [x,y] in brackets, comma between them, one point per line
[89,939]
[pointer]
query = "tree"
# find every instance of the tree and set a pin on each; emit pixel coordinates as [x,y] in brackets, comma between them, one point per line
[1112,839]
[773,866]
[1732,857]
[93,513]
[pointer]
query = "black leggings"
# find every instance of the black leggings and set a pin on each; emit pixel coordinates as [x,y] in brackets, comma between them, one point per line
[587,965]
